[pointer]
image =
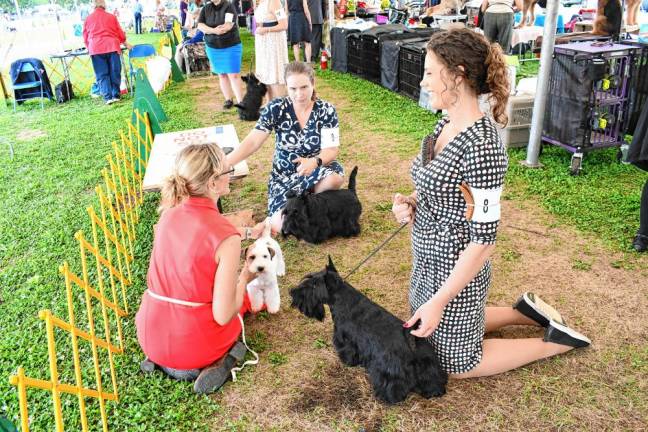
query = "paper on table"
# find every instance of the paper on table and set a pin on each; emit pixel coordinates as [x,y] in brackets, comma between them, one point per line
[166,147]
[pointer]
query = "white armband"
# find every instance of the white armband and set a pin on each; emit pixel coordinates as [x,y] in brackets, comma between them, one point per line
[330,137]
[487,204]
[280,14]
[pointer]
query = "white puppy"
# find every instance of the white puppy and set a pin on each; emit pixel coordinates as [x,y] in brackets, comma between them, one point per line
[265,258]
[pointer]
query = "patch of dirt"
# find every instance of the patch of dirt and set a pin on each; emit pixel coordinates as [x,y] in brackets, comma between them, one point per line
[30,134]
[599,388]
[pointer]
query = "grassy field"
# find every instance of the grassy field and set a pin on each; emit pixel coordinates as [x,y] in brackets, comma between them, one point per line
[566,237]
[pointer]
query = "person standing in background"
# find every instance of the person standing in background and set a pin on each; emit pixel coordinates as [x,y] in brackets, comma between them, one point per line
[299,26]
[137,12]
[270,46]
[499,21]
[183,12]
[317,19]
[103,35]
[223,47]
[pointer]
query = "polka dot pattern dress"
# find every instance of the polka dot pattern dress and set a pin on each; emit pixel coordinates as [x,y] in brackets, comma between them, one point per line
[441,232]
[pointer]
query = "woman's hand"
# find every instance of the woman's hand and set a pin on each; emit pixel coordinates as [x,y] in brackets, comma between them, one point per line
[403,208]
[430,314]
[246,275]
[261,30]
[305,166]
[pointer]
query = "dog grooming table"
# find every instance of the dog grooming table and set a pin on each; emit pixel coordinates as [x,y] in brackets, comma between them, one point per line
[166,147]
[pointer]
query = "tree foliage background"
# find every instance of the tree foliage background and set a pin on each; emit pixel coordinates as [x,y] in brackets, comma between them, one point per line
[10,6]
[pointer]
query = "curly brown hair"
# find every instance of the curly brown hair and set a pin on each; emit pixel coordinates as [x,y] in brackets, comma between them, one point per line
[484,68]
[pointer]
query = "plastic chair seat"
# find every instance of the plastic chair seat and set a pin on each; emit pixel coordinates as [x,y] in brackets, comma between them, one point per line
[22,86]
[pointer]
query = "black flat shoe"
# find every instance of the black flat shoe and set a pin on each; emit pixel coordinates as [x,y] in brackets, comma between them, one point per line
[532,306]
[228,104]
[563,335]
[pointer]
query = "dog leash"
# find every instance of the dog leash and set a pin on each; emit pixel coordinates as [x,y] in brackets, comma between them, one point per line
[403,225]
[248,362]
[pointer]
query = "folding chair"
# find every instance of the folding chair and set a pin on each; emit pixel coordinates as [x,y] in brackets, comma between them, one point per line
[141,51]
[30,83]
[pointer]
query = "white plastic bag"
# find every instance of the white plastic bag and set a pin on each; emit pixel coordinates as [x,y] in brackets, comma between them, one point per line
[158,69]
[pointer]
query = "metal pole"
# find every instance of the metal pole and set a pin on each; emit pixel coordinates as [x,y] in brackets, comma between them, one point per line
[542,91]
[18,13]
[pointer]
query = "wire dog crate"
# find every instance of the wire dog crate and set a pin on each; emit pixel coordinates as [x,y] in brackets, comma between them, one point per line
[410,69]
[588,97]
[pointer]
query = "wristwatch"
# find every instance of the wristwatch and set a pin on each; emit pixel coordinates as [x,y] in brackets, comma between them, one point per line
[319,161]
[248,233]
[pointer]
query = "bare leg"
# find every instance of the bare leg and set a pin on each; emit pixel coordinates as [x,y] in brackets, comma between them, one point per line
[307,52]
[276,220]
[502,355]
[502,316]
[331,182]
[225,86]
[237,85]
[278,90]
[296,51]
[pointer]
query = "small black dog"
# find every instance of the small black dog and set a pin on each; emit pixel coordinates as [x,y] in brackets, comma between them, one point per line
[365,334]
[249,107]
[318,217]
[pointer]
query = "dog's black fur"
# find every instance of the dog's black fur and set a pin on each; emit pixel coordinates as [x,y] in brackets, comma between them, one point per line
[318,217]
[249,107]
[367,335]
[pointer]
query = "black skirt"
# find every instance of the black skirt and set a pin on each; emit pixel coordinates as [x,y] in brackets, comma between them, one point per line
[298,28]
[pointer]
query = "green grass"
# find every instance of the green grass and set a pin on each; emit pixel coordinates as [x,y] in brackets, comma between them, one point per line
[45,190]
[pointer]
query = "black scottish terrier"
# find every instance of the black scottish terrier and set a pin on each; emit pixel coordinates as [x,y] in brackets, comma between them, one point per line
[365,334]
[249,107]
[317,217]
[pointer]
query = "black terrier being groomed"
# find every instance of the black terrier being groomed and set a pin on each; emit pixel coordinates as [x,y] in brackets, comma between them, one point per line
[249,107]
[365,334]
[318,217]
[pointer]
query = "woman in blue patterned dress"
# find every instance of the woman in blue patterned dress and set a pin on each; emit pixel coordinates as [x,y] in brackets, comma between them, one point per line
[307,141]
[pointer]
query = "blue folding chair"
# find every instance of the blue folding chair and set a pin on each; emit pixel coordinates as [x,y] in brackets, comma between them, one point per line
[141,51]
[30,83]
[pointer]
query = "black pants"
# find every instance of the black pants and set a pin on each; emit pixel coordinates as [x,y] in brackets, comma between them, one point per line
[643,211]
[138,23]
[316,42]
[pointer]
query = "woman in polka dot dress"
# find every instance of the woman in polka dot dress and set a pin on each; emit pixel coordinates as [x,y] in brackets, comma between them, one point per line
[453,233]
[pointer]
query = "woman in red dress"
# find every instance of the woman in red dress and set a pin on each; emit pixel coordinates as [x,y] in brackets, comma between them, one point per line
[187,324]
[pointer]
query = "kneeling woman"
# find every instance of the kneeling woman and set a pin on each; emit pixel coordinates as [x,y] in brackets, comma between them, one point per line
[307,141]
[187,322]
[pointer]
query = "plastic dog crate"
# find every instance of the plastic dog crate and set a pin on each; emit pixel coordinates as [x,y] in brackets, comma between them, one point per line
[588,96]
[354,54]
[339,48]
[410,69]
